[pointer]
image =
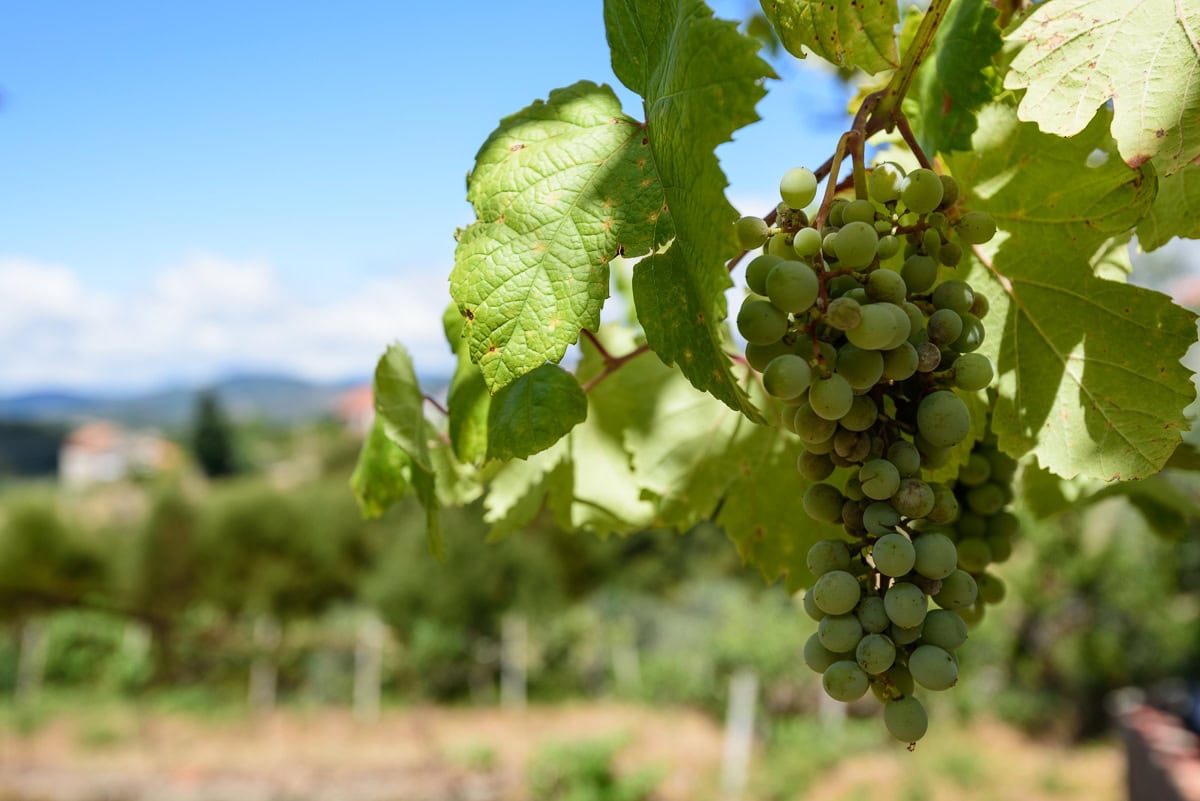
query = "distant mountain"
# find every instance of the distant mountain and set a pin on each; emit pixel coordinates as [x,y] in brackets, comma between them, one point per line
[270,398]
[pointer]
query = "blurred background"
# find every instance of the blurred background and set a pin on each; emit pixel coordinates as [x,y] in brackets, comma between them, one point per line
[216,216]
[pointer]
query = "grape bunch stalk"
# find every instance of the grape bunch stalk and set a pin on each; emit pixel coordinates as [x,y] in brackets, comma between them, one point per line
[866,339]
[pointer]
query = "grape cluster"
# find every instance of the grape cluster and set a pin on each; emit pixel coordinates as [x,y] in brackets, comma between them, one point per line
[863,335]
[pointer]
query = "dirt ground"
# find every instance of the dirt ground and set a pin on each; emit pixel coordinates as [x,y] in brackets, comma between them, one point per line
[480,754]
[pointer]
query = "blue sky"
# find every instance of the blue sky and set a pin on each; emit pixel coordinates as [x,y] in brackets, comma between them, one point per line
[191,189]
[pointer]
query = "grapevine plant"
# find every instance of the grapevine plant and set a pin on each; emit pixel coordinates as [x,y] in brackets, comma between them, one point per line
[921,330]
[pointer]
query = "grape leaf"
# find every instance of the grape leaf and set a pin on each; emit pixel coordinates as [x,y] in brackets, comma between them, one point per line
[468,400]
[1089,376]
[380,478]
[1143,55]
[958,81]
[848,33]
[1176,210]
[1166,508]
[399,402]
[560,188]
[518,491]
[534,412]
[701,80]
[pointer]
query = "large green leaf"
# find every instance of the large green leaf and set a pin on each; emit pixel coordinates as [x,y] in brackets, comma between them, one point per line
[560,188]
[952,86]
[1143,55]
[1089,372]
[700,79]
[534,412]
[380,478]
[1176,210]
[849,33]
[468,400]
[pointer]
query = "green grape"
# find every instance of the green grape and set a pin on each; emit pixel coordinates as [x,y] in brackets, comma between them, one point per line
[875,653]
[827,555]
[980,306]
[858,211]
[936,555]
[884,182]
[812,428]
[931,243]
[827,238]
[759,356]
[1003,524]
[787,376]
[817,656]
[893,555]
[902,326]
[946,505]
[958,591]
[852,446]
[839,633]
[949,191]
[976,227]
[944,326]
[900,363]
[835,212]
[905,457]
[829,355]
[876,328]
[896,683]
[852,513]
[972,525]
[859,294]
[888,246]
[943,419]
[932,456]
[837,592]
[807,242]
[932,667]
[905,719]
[944,629]
[855,244]
[922,191]
[951,254]
[972,335]
[937,221]
[885,286]
[905,604]
[756,272]
[810,607]
[780,246]
[792,286]
[880,479]
[751,232]
[975,471]
[871,615]
[798,187]
[831,397]
[845,681]
[919,272]
[903,636]
[956,295]
[862,415]
[991,588]
[823,503]
[986,499]
[880,518]
[862,369]
[841,284]
[760,323]
[823,447]
[1001,546]
[1004,467]
[929,357]
[883,228]
[814,466]
[972,614]
[914,499]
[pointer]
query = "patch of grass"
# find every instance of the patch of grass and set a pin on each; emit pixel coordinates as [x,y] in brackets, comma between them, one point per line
[800,749]
[475,756]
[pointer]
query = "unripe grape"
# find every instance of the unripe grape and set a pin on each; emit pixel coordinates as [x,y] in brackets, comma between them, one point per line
[931,243]
[903,636]
[852,514]
[760,323]
[929,357]
[751,232]
[1001,547]
[958,591]
[787,376]
[986,499]
[972,334]
[875,653]
[831,397]
[871,615]
[888,246]
[944,629]
[943,419]
[980,306]
[976,227]
[971,524]
[817,656]
[936,556]
[814,466]
[827,555]
[877,327]
[812,428]
[792,286]
[756,272]
[840,285]
[839,633]
[780,246]
[949,191]
[973,372]
[900,363]
[919,273]
[932,667]
[956,295]
[880,518]
[991,588]
[893,555]
[945,505]
[884,182]
[974,554]
[827,239]
[810,607]
[798,187]
[862,369]
[823,503]
[885,286]
[837,593]
[759,356]
[845,681]
[914,498]
[880,479]
[906,604]
[944,326]
[858,211]
[862,415]
[806,242]
[855,244]
[1003,524]
[904,456]
[922,191]
[835,212]
[902,331]
[905,719]
[851,446]
[950,254]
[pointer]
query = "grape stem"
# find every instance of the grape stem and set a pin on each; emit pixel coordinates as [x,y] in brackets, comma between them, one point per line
[434,403]
[906,132]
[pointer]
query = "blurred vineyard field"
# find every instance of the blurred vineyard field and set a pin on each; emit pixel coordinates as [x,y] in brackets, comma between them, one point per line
[91,750]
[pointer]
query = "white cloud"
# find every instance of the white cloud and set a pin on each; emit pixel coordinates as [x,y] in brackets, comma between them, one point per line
[203,318]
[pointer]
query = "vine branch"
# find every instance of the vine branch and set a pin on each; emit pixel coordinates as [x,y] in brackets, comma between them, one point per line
[611,365]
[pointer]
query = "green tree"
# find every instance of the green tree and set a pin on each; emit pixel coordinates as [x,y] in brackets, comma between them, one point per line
[212,437]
